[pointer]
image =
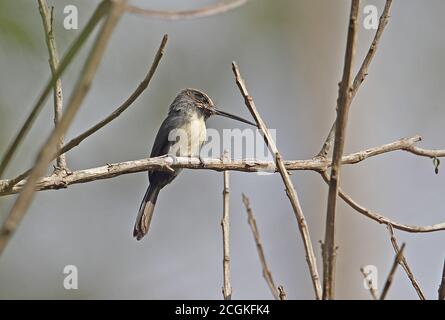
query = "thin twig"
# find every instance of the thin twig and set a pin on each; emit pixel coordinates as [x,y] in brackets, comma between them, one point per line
[48,24]
[282,293]
[188,14]
[343,103]
[404,264]
[426,152]
[290,190]
[256,235]
[370,284]
[380,218]
[225,225]
[116,113]
[101,9]
[361,74]
[45,155]
[392,272]
[442,284]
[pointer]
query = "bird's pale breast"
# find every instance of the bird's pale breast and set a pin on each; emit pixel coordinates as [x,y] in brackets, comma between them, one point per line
[191,137]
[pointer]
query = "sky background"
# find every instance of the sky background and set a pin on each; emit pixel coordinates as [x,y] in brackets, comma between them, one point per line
[291,55]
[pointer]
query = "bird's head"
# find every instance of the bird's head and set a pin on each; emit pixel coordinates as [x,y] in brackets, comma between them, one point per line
[205,105]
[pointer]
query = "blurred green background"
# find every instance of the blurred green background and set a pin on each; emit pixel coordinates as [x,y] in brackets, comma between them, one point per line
[291,56]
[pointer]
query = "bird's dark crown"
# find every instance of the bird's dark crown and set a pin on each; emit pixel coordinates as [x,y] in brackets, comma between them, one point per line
[198,97]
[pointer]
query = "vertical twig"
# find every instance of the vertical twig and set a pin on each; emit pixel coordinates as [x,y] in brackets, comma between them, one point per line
[343,103]
[48,25]
[256,235]
[282,293]
[372,290]
[225,225]
[404,264]
[290,190]
[442,284]
[100,11]
[361,74]
[45,155]
[392,272]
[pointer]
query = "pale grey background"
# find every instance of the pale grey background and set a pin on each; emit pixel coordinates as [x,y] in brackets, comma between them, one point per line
[291,55]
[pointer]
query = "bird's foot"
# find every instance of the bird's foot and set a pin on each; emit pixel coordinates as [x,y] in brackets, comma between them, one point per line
[174,158]
[201,161]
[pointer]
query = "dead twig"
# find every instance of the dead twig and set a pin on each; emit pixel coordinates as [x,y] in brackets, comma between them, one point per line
[361,74]
[372,290]
[392,272]
[290,190]
[442,284]
[252,165]
[225,225]
[381,219]
[343,103]
[116,113]
[404,263]
[24,199]
[208,11]
[48,25]
[256,235]
[100,11]
[282,293]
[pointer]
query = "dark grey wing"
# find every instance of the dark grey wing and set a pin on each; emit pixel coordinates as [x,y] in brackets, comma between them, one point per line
[162,145]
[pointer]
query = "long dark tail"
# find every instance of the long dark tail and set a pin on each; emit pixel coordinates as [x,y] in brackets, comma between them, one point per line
[146,212]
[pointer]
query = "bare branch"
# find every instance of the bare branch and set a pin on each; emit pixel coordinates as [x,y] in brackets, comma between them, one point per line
[13,186]
[317,164]
[381,219]
[188,14]
[48,24]
[116,113]
[404,264]
[256,235]
[225,225]
[426,152]
[108,171]
[282,293]
[392,272]
[290,190]
[343,103]
[372,290]
[45,155]
[166,164]
[442,284]
[101,9]
[361,74]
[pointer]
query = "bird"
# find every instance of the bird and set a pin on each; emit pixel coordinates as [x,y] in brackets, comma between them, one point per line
[182,134]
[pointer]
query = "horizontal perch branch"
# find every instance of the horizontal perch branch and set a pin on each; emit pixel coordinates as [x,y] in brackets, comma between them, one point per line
[167,163]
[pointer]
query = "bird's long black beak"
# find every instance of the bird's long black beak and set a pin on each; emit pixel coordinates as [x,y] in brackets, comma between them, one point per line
[231,116]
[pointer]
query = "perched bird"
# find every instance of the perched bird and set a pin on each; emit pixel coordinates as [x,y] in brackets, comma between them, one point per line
[181,134]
